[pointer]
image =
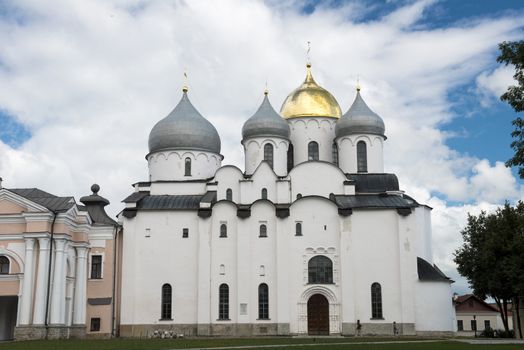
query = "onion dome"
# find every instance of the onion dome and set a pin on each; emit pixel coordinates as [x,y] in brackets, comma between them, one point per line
[265,122]
[360,119]
[185,129]
[310,100]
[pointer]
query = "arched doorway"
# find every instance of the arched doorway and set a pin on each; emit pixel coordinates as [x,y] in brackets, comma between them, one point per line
[318,315]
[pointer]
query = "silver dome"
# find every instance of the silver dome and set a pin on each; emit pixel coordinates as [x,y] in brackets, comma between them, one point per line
[265,122]
[185,129]
[360,119]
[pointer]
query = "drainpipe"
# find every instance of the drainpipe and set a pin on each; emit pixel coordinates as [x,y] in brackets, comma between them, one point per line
[49,274]
[113,307]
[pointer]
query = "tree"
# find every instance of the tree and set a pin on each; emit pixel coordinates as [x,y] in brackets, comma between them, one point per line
[492,257]
[513,53]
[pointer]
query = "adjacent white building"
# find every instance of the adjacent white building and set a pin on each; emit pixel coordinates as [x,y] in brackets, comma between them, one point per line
[312,237]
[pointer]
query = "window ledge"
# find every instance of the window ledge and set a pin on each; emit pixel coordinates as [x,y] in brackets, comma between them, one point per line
[96,279]
[377,318]
[223,319]
[166,319]
[263,319]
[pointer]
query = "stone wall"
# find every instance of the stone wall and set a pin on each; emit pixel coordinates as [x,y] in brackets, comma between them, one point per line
[204,330]
[349,329]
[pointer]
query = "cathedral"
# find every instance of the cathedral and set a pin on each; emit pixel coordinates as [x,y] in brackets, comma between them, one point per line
[312,237]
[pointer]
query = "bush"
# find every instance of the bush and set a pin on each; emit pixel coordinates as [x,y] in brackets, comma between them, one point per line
[499,333]
[487,333]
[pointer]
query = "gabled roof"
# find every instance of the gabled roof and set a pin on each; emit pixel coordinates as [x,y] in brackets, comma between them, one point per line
[470,302]
[45,199]
[431,273]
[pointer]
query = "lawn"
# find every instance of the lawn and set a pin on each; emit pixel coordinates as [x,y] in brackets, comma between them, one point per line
[266,343]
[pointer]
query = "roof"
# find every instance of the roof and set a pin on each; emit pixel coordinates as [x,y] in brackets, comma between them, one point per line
[360,119]
[374,183]
[374,201]
[95,207]
[428,272]
[45,199]
[471,303]
[265,122]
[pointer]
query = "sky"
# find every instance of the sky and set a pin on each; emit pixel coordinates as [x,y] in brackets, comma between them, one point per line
[83,82]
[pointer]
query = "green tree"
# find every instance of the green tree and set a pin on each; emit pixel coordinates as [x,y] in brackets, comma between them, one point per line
[513,53]
[492,256]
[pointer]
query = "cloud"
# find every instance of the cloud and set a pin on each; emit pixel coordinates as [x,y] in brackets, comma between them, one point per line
[492,84]
[89,80]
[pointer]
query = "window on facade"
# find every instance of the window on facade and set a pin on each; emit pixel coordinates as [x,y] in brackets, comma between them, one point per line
[263,302]
[223,230]
[95,324]
[229,194]
[312,151]
[335,154]
[264,193]
[223,302]
[96,266]
[362,157]
[263,231]
[290,158]
[268,154]
[167,294]
[376,300]
[460,325]
[487,324]
[320,270]
[4,265]
[298,229]
[473,325]
[185,233]
[187,169]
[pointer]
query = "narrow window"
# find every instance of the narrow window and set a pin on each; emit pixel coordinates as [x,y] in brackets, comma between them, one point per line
[229,194]
[362,157]
[264,193]
[4,265]
[263,231]
[298,229]
[263,302]
[95,324]
[320,270]
[96,266]
[223,230]
[290,157]
[188,167]
[312,151]
[223,302]
[376,300]
[487,324]
[268,154]
[460,325]
[166,302]
[185,233]
[335,154]
[473,325]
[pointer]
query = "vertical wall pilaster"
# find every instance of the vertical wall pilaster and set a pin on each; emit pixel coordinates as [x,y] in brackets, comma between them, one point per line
[41,283]
[58,291]
[27,288]
[80,286]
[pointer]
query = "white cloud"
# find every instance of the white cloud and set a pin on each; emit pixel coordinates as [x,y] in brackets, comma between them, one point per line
[492,84]
[91,78]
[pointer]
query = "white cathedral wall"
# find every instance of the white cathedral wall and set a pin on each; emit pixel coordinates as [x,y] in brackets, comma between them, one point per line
[347,153]
[254,153]
[314,178]
[169,165]
[423,227]
[161,188]
[434,307]
[307,129]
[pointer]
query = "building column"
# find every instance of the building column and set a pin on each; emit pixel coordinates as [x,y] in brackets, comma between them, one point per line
[41,282]
[27,288]
[79,303]
[58,292]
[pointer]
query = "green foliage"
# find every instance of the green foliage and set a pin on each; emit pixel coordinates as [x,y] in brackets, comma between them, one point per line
[513,53]
[492,255]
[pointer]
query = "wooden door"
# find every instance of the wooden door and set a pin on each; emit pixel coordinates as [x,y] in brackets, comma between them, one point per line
[318,315]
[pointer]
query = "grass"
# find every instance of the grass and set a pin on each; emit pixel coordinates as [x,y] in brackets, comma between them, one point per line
[297,344]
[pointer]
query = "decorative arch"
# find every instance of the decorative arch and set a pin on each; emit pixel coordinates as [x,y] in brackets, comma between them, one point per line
[323,290]
[13,257]
[313,122]
[173,154]
[334,308]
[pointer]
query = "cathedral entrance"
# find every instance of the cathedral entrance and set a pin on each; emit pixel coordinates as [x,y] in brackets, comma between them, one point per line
[8,306]
[318,315]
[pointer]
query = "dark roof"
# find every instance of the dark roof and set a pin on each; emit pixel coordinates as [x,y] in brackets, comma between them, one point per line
[476,304]
[374,201]
[135,197]
[48,200]
[95,207]
[163,202]
[374,183]
[428,272]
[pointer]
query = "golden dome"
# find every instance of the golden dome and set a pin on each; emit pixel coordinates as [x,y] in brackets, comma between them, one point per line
[310,100]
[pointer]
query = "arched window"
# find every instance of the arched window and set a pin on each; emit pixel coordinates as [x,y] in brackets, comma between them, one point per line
[320,270]
[263,231]
[362,157]
[312,151]
[223,230]
[335,154]
[268,154]
[223,302]
[187,167]
[4,265]
[264,193]
[298,229]
[376,300]
[290,157]
[166,302]
[263,302]
[229,194]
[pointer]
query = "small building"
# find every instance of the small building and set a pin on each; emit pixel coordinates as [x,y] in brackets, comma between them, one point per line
[474,314]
